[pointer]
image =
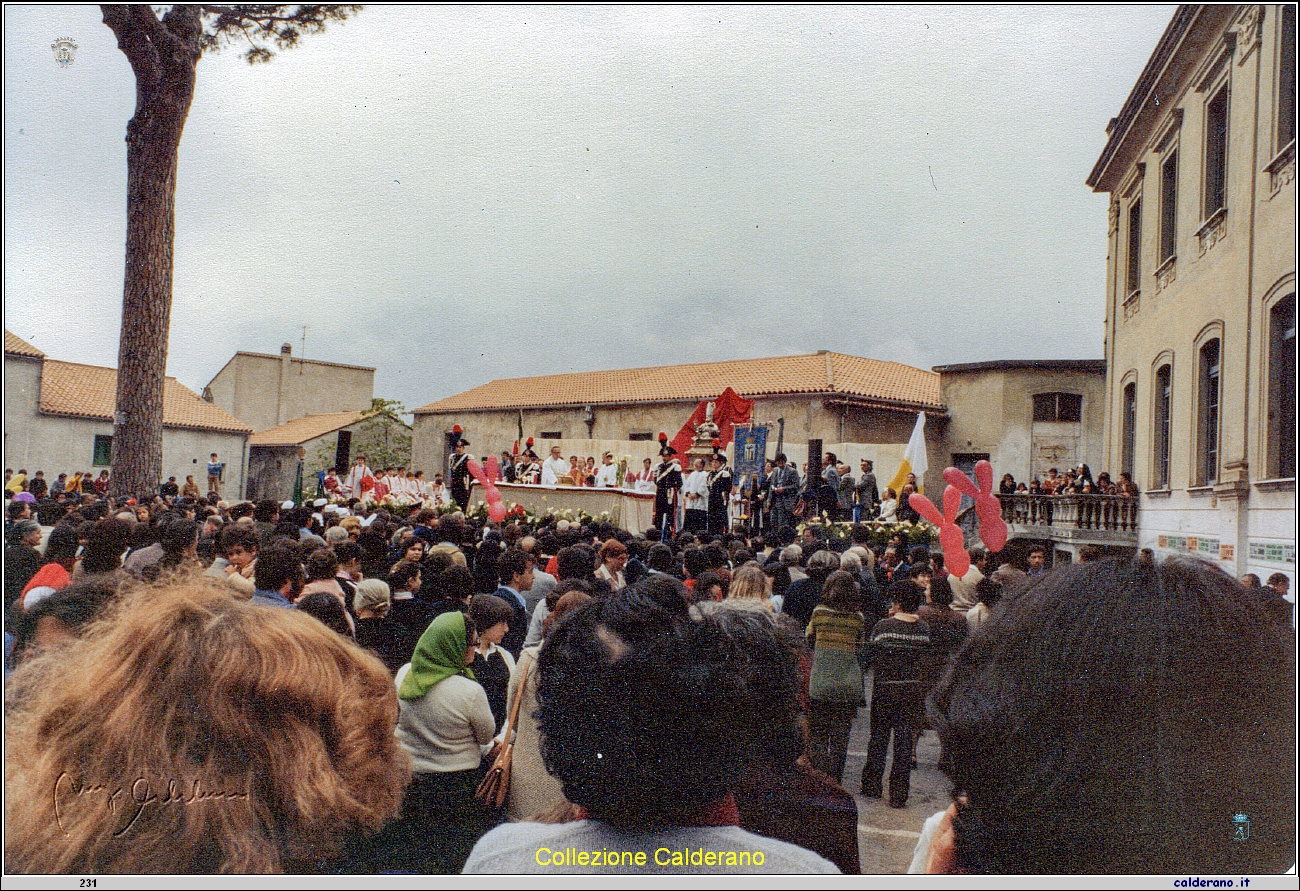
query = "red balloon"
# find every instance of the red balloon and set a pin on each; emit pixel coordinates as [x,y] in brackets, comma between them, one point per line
[953,541]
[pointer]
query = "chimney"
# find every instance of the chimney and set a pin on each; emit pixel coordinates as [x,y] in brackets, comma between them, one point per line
[286,363]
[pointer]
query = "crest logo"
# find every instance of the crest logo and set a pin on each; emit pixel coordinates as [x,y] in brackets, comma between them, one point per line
[1240,827]
[65,50]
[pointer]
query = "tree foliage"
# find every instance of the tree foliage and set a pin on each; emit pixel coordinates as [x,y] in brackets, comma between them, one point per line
[383,437]
[163,46]
[262,27]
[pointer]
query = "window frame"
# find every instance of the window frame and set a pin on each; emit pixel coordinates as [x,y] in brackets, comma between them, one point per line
[1208,430]
[1167,248]
[1128,423]
[1133,249]
[102,444]
[1221,88]
[1056,396]
[1280,386]
[1162,398]
[1284,137]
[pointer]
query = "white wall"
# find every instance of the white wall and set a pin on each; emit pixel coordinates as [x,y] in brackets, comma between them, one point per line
[66,445]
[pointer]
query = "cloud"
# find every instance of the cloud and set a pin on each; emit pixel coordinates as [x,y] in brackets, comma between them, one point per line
[455,194]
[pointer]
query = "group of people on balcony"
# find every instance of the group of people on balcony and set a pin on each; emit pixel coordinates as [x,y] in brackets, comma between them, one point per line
[1075,482]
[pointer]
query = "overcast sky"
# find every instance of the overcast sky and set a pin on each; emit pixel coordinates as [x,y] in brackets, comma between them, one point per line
[454,195]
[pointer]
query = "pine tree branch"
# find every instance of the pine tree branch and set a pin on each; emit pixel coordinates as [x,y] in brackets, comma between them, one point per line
[131,25]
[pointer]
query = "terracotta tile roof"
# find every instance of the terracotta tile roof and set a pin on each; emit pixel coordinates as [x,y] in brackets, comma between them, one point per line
[89,391]
[305,429]
[889,383]
[19,347]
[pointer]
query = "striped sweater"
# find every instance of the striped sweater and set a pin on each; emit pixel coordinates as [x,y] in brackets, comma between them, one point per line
[836,636]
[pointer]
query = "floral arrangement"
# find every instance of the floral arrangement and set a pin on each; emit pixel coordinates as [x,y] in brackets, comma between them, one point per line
[921,533]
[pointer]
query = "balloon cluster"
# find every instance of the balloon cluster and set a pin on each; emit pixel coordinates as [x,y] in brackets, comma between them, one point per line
[487,479]
[992,529]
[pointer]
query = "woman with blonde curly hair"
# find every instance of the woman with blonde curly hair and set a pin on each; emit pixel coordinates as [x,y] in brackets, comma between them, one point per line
[189,732]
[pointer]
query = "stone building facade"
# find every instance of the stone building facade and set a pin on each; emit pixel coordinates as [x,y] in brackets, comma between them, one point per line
[305,444]
[266,391]
[862,407]
[1200,312]
[1024,416]
[59,419]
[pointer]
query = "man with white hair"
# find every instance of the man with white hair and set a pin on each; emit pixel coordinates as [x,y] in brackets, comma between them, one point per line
[791,555]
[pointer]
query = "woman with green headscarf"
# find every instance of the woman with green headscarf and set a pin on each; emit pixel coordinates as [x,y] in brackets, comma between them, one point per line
[445,724]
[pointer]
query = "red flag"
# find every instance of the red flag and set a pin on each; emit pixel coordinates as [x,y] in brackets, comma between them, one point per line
[729,410]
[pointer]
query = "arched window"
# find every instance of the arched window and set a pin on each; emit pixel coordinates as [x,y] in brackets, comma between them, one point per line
[1281,388]
[1207,413]
[1129,429]
[1163,412]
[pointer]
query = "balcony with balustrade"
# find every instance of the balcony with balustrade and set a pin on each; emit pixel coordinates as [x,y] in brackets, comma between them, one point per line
[1107,520]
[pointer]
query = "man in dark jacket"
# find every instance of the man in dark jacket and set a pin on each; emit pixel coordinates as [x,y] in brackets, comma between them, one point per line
[516,580]
[1272,597]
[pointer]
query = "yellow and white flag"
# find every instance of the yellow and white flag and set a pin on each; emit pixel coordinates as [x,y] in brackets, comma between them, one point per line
[913,459]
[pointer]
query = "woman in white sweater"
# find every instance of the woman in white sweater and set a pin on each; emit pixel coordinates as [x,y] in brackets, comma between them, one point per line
[445,724]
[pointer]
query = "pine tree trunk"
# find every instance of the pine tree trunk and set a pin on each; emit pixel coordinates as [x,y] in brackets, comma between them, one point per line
[165,67]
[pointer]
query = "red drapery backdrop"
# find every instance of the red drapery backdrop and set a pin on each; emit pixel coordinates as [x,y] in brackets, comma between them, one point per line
[729,410]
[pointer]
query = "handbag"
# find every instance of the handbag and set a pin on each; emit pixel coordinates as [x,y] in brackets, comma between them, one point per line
[496,784]
[801,508]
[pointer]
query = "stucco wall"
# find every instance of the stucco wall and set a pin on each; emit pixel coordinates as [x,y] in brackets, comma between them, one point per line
[992,413]
[1221,284]
[492,432]
[273,469]
[264,392]
[67,445]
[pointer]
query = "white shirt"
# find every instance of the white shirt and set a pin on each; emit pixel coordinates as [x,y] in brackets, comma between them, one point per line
[615,579]
[646,482]
[697,484]
[607,476]
[355,476]
[552,470]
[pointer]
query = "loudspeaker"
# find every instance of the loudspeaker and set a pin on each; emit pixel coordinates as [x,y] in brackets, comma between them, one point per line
[814,459]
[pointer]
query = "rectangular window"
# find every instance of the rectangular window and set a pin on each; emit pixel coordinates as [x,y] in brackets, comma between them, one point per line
[1208,413]
[1216,152]
[1134,280]
[1067,407]
[1281,389]
[1164,405]
[1129,430]
[1286,80]
[103,455]
[640,436]
[1168,207]
[551,434]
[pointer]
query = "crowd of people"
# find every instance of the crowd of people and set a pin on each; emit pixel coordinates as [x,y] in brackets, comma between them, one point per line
[1078,481]
[325,688]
